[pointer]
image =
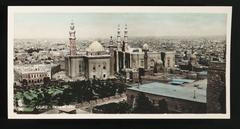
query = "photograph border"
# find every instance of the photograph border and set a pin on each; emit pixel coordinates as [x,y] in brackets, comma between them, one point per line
[74,9]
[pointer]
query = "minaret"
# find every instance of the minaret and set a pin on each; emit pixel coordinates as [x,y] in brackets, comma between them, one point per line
[118,38]
[72,39]
[145,49]
[112,58]
[118,48]
[124,46]
[125,41]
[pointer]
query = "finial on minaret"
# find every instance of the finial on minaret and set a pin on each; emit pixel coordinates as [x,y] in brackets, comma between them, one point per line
[111,40]
[72,39]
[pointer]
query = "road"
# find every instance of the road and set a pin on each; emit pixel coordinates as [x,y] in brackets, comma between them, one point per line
[89,108]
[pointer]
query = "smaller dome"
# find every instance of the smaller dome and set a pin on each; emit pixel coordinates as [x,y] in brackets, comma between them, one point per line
[193,56]
[95,47]
[159,62]
[145,47]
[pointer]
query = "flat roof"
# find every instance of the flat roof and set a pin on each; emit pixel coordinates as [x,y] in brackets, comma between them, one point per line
[176,82]
[183,80]
[172,91]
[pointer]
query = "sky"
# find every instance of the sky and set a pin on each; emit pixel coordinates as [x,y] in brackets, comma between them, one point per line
[104,25]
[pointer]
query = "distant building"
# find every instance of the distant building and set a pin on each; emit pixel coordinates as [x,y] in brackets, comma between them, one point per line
[177,98]
[34,74]
[216,88]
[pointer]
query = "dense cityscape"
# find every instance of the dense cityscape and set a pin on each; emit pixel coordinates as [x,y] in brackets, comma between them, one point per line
[119,74]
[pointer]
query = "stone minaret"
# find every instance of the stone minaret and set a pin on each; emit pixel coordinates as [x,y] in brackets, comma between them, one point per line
[112,58]
[125,41]
[118,48]
[72,39]
[145,49]
[125,46]
[118,38]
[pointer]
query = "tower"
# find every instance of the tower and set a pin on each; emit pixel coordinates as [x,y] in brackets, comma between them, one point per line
[118,48]
[118,38]
[112,58]
[125,46]
[125,40]
[72,39]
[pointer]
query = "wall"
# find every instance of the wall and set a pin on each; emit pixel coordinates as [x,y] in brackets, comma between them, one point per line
[99,71]
[216,88]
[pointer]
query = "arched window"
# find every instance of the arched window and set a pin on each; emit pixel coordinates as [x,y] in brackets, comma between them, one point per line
[168,61]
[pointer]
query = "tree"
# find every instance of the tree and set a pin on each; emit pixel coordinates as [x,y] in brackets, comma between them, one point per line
[143,104]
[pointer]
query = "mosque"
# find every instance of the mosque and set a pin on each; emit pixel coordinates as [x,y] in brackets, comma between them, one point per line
[118,58]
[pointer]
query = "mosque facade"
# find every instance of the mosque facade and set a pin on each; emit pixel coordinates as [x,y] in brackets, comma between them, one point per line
[98,62]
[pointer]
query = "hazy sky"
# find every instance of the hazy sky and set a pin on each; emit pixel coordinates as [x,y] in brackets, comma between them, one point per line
[103,25]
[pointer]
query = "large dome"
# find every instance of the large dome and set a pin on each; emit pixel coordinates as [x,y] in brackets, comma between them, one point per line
[95,47]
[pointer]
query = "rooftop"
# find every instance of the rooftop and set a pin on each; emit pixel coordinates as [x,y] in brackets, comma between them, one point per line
[183,80]
[172,91]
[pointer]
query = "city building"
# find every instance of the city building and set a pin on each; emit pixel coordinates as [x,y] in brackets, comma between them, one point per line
[34,74]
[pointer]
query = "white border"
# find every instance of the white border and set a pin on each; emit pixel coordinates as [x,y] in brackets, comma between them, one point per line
[116,9]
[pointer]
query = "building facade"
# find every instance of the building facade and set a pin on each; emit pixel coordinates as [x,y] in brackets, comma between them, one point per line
[34,74]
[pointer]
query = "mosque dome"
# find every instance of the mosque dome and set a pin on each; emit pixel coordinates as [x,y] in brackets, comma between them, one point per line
[145,47]
[95,47]
[193,56]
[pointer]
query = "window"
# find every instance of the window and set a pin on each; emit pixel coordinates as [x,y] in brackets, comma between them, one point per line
[142,62]
[153,101]
[80,68]
[104,75]
[94,68]
[168,61]
[94,76]
[104,65]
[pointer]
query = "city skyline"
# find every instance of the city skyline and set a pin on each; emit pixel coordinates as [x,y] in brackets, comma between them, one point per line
[104,25]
